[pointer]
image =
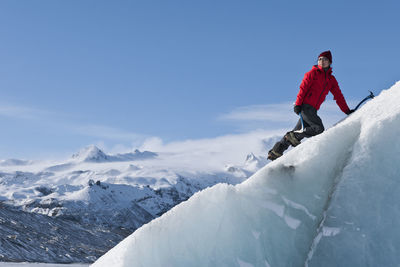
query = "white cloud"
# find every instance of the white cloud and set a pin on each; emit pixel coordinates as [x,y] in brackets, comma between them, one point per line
[21,112]
[211,153]
[272,113]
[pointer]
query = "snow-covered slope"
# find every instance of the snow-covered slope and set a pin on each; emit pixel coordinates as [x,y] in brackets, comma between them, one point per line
[109,195]
[332,201]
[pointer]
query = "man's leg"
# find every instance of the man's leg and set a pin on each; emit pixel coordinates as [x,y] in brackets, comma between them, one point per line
[283,144]
[278,149]
[313,123]
[312,126]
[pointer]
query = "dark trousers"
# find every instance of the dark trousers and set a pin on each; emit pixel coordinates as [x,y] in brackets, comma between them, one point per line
[312,126]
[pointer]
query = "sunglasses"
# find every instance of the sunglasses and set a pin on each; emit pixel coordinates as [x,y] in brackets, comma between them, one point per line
[323,59]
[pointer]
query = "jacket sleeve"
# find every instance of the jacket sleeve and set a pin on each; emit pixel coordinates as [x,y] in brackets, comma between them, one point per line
[338,96]
[304,88]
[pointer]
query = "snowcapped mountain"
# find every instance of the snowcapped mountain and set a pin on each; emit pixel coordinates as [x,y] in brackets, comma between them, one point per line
[90,154]
[254,163]
[94,154]
[97,196]
[331,201]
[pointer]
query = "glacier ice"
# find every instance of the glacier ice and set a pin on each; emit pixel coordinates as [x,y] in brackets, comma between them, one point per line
[331,201]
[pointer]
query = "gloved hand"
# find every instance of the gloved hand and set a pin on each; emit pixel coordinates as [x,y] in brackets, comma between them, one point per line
[350,111]
[297,109]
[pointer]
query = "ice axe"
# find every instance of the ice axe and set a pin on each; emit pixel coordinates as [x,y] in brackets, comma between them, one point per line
[371,95]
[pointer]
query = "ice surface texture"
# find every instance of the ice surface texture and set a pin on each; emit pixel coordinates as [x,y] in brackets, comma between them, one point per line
[331,201]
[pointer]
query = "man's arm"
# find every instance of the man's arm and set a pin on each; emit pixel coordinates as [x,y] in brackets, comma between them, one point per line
[338,96]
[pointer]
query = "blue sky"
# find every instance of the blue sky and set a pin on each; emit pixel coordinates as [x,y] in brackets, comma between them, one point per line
[114,73]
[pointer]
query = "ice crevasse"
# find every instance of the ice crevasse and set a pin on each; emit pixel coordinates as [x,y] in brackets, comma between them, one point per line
[331,201]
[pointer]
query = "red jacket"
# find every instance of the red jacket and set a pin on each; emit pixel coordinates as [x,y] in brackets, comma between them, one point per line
[316,85]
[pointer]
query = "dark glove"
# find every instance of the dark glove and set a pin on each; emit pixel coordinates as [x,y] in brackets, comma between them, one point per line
[297,109]
[350,111]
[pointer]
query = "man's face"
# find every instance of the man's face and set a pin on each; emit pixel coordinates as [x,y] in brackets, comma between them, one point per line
[323,62]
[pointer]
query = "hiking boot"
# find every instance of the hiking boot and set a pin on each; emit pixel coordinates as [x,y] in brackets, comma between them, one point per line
[292,139]
[273,155]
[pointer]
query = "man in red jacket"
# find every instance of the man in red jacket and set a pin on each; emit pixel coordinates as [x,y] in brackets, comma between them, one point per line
[316,84]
